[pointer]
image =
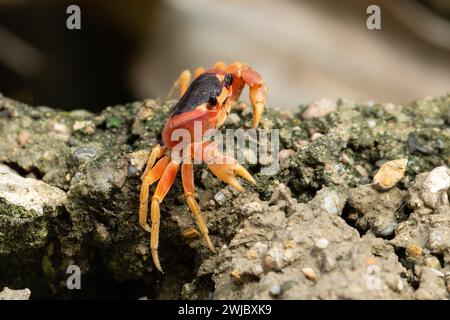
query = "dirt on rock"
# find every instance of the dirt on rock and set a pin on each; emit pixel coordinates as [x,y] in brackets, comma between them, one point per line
[319,228]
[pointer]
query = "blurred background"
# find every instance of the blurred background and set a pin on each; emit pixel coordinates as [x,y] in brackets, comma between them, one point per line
[305,50]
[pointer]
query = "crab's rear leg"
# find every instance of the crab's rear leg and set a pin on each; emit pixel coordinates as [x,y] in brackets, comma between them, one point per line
[183,81]
[199,71]
[161,191]
[187,176]
[220,65]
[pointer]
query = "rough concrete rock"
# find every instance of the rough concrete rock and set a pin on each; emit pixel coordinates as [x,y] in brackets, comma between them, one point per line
[296,234]
[26,208]
[305,256]
[376,211]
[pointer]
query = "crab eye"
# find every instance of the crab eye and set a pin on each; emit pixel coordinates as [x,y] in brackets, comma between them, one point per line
[228,79]
[212,101]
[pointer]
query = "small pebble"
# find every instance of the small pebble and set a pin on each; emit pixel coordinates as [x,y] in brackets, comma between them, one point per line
[23,137]
[83,154]
[58,127]
[319,108]
[49,155]
[268,261]
[346,159]
[309,274]
[322,243]
[275,290]
[249,208]
[438,179]
[372,123]
[251,254]
[257,270]
[285,153]
[361,170]
[331,202]
[316,135]
[87,127]
[220,197]
[61,130]
[413,251]
[10,294]
[235,275]
[390,174]
[290,244]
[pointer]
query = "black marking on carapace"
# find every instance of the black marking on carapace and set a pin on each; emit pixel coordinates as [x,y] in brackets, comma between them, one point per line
[199,91]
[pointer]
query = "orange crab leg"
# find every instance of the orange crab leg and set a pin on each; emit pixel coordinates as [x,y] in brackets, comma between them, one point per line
[224,167]
[187,176]
[258,90]
[199,71]
[162,188]
[220,65]
[183,81]
[157,152]
[150,177]
[258,100]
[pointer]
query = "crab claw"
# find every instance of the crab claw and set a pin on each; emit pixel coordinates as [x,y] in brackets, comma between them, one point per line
[258,100]
[258,109]
[227,172]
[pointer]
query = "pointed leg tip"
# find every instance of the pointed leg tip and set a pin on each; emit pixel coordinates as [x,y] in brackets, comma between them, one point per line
[257,113]
[241,171]
[238,187]
[210,244]
[156,261]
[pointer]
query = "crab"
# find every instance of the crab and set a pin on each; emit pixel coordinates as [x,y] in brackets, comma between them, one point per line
[207,100]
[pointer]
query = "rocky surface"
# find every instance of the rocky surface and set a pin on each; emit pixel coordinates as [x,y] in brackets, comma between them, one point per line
[320,228]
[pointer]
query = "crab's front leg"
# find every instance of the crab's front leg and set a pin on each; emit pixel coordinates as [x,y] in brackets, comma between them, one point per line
[187,177]
[151,174]
[161,191]
[224,167]
[257,92]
